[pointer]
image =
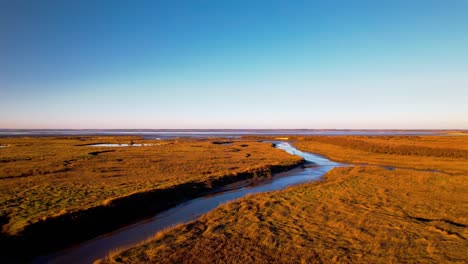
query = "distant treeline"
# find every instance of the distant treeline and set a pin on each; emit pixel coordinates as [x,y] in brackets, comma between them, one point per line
[382,148]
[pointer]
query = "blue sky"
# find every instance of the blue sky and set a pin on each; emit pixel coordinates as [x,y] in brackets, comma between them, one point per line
[234,64]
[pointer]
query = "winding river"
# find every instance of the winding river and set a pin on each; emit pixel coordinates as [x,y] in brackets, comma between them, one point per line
[99,247]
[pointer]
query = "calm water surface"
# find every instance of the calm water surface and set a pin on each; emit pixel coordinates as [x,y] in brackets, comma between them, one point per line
[119,145]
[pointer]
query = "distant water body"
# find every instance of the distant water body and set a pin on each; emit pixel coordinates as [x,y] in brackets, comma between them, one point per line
[229,133]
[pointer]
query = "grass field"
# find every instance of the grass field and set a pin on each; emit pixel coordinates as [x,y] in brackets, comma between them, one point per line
[443,153]
[43,178]
[363,214]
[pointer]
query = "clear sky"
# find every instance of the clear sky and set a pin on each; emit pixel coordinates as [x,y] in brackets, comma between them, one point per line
[234,64]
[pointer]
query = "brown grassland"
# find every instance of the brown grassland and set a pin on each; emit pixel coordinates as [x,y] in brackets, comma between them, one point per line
[45,180]
[443,153]
[414,212]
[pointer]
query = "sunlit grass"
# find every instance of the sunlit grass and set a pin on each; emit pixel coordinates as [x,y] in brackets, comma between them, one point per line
[362,214]
[398,151]
[47,177]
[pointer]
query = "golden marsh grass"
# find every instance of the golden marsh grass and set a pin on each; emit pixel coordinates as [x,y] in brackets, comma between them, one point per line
[362,214]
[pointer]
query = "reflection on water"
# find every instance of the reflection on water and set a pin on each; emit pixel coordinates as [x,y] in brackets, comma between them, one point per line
[119,145]
[192,209]
[313,158]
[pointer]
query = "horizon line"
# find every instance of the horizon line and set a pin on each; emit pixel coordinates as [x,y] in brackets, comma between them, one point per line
[247,129]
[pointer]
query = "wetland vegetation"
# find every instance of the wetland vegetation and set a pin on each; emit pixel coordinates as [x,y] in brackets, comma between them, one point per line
[403,199]
[398,204]
[58,190]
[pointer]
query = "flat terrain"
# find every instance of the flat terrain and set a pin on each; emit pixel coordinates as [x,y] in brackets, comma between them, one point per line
[43,178]
[365,213]
[444,153]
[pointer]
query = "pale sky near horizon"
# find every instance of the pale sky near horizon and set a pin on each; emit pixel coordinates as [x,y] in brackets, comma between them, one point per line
[234,64]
